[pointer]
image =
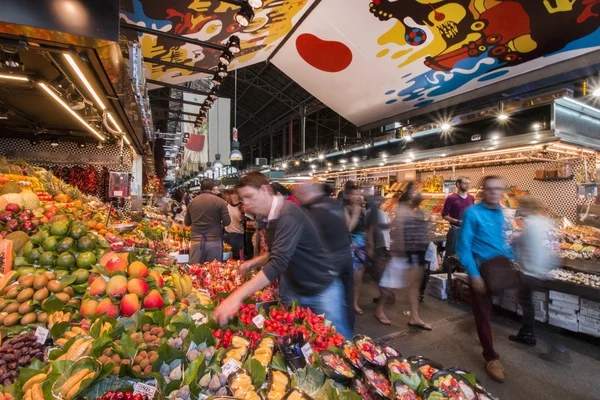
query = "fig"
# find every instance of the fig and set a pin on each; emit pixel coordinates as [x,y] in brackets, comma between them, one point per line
[214,384]
[205,380]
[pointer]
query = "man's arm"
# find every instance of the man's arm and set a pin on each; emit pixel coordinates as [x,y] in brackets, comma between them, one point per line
[464,245]
[227,309]
[287,236]
[254,263]
[446,212]
[225,217]
[188,218]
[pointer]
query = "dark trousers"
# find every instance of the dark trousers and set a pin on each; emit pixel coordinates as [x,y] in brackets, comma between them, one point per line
[482,311]
[529,285]
[451,239]
[381,257]
[347,278]
[236,241]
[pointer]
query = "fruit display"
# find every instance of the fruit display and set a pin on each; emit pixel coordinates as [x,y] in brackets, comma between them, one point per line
[370,351]
[336,367]
[578,278]
[240,384]
[16,353]
[110,395]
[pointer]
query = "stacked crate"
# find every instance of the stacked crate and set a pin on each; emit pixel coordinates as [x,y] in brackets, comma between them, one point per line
[589,317]
[563,310]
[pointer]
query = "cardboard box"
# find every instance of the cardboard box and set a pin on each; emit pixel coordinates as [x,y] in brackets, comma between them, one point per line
[569,298]
[589,330]
[561,310]
[439,295]
[591,322]
[590,304]
[590,312]
[563,317]
[572,326]
[540,296]
[509,305]
[565,304]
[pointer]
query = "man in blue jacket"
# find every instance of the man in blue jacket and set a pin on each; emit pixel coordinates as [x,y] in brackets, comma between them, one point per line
[483,236]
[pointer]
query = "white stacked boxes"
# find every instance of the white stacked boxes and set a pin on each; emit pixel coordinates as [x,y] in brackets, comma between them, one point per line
[540,306]
[563,310]
[437,286]
[589,317]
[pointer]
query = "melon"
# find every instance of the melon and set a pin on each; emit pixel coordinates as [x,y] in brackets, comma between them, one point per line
[11,187]
[6,255]
[19,239]
[31,201]
[14,169]
[13,198]
[3,203]
[4,165]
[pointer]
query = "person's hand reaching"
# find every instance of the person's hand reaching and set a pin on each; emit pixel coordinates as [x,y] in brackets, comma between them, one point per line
[245,267]
[226,310]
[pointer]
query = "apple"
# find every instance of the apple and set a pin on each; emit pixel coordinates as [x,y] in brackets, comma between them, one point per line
[50,208]
[13,224]
[49,215]
[24,216]
[12,207]
[28,226]
[6,216]
[4,234]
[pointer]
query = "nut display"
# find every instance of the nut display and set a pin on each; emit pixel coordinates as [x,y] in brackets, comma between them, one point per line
[16,353]
[142,363]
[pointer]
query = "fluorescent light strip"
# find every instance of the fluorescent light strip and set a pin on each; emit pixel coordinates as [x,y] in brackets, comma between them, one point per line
[14,77]
[84,80]
[114,122]
[66,107]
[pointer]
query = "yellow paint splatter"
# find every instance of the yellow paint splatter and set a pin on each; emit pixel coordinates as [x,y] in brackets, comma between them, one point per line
[395,35]
[400,53]
[200,5]
[383,52]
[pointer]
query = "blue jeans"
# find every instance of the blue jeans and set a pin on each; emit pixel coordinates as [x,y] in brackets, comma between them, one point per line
[330,302]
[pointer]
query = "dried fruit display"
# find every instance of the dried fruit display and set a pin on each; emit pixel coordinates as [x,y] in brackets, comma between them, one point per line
[16,353]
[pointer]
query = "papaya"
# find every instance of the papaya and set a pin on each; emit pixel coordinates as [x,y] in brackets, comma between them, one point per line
[8,278]
[6,255]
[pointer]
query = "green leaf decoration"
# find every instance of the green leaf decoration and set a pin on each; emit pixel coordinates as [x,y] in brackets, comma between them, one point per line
[195,369]
[278,363]
[101,343]
[68,280]
[257,372]
[58,330]
[53,304]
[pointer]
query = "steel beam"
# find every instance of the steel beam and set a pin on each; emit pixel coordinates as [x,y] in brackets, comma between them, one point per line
[193,103]
[185,39]
[177,87]
[175,65]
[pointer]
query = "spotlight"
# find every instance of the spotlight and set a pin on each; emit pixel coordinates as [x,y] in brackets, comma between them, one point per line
[209,101]
[384,155]
[11,57]
[222,70]
[245,15]
[214,93]
[537,126]
[344,151]
[408,137]
[313,166]
[234,44]
[381,164]
[284,165]
[81,145]
[321,156]
[217,80]
[226,57]
[502,117]
[100,145]
[354,159]
[218,164]
[446,127]
[297,163]
[206,106]
[255,3]
[596,92]
[329,164]
[342,161]
[54,143]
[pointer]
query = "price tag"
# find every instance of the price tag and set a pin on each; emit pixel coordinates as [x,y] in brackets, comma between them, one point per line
[41,334]
[259,321]
[307,351]
[229,367]
[206,292]
[143,389]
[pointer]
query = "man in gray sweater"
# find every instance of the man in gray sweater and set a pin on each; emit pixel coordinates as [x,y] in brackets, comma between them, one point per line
[207,215]
[297,253]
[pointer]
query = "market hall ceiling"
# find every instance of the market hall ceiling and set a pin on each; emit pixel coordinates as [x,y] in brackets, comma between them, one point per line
[372,60]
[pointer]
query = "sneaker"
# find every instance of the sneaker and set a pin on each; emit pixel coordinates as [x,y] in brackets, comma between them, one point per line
[495,370]
[524,338]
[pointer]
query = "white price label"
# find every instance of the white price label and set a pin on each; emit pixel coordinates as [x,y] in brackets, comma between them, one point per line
[229,367]
[307,351]
[259,321]
[206,292]
[41,334]
[143,389]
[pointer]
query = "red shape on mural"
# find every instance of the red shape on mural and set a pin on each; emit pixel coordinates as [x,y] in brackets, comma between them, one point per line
[327,56]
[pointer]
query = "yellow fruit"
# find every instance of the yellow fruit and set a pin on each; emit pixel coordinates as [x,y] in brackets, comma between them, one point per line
[29,319]
[40,281]
[11,319]
[39,378]
[36,392]
[73,380]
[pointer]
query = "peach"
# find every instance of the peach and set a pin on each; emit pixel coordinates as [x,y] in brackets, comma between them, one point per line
[169,296]
[107,257]
[137,269]
[153,300]
[116,286]
[158,278]
[92,277]
[170,311]
[137,286]
[115,265]
[130,304]
[89,308]
[98,286]
[106,306]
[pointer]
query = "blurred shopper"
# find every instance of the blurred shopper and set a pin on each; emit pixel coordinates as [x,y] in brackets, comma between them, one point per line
[279,189]
[328,217]
[454,208]
[234,232]
[483,246]
[355,223]
[296,252]
[378,249]
[409,236]
[177,207]
[207,214]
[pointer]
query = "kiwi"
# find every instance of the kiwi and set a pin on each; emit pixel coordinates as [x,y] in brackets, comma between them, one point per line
[11,319]
[40,281]
[41,294]
[26,280]
[50,275]
[2,303]
[29,319]
[42,317]
[75,302]
[63,297]
[55,286]
[69,290]
[25,295]
[10,287]
[12,307]
[12,293]
[25,308]
[2,316]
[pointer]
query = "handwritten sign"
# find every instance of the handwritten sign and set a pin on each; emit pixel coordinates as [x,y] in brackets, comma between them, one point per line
[41,334]
[143,389]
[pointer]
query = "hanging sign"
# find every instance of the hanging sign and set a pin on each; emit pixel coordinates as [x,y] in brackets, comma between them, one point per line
[118,184]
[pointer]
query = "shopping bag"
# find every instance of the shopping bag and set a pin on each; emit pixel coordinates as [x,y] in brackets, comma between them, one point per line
[395,274]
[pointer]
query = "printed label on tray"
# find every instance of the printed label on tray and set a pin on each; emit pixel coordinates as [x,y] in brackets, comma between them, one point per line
[41,334]
[206,292]
[307,351]
[229,367]
[143,389]
[259,321]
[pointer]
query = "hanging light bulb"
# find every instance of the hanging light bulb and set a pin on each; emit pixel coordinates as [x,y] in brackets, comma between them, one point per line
[209,101]
[255,3]
[209,169]
[217,80]
[222,70]
[226,57]
[234,44]
[235,154]
[245,15]
[218,164]
[214,93]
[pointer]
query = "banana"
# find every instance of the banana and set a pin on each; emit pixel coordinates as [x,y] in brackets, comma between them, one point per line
[70,334]
[77,387]
[73,380]
[177,283]
[39,378]
[27,395]
[36,392]
[188,285]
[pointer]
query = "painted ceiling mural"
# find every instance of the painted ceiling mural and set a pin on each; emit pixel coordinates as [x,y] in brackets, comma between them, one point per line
[373,59]
[211,21]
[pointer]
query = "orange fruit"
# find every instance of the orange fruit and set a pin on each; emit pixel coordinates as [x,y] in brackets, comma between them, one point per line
[103,231]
